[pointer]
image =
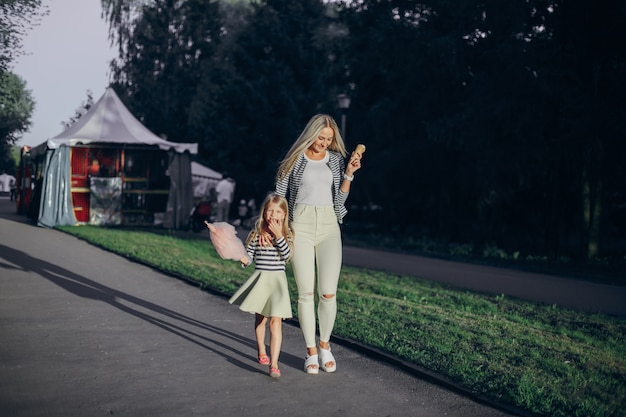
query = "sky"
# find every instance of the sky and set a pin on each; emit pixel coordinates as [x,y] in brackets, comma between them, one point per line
[67,54]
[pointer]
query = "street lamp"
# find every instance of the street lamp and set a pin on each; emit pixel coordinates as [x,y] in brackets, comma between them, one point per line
[343,102]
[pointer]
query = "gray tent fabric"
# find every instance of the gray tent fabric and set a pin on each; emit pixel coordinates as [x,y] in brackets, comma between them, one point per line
[180,199]
[204,180]
[55,207]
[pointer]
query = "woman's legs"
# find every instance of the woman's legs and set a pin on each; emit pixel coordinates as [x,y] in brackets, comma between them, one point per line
[303,262]
[317,252]
[328,256]
[304,272]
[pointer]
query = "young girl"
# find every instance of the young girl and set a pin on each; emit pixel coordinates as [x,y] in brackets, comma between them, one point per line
[266,293]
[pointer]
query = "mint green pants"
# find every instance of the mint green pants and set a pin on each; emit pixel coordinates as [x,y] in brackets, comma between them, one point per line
[316,260]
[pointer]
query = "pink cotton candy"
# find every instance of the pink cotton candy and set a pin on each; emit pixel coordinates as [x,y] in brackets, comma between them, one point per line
[227,244]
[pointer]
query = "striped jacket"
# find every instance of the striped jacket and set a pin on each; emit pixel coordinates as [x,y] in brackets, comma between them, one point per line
[290,185]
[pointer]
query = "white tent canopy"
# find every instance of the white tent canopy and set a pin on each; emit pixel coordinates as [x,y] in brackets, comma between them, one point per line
[109,121]
[204,180]
[199,170]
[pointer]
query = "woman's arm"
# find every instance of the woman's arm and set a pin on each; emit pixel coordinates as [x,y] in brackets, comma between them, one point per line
[354,164]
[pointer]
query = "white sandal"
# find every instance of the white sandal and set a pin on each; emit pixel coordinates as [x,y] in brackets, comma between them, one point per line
[311,364]
[325,357]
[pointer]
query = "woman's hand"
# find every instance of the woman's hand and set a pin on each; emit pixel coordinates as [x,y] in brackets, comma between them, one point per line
[265,239]
[354,164]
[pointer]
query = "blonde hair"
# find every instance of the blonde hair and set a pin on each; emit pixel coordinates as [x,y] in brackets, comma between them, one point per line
[261,225]
[309,135]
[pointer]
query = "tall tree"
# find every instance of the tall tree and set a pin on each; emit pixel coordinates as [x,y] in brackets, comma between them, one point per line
[16,108]
[280,76]
[16,102]
[159,72]
[16,18]
[80,111]
[501,120]
[240,78]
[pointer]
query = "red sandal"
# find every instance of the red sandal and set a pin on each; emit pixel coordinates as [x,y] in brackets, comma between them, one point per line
[264,360]
[274,372]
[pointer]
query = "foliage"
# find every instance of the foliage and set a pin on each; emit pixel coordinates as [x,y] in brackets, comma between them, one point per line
[16,102]
[493,122]
[544,359]
[16,108]
[16,18]
[500,121]
[81,110]
[194,70]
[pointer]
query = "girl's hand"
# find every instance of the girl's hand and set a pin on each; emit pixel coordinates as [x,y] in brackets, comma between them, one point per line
[276,228]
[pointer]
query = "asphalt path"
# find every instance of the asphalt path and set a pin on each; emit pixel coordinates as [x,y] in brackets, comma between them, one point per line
[84,333]
[569,292]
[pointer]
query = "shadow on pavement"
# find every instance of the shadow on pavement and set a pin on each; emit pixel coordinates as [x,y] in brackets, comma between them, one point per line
[86,288]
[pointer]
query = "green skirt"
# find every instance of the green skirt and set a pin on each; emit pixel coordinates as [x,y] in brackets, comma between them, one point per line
[265,293]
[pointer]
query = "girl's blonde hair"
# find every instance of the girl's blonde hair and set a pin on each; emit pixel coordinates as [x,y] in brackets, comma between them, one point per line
[309,135]
[261,226]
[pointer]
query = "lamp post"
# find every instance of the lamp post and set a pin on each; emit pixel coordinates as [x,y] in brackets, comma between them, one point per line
[343,102]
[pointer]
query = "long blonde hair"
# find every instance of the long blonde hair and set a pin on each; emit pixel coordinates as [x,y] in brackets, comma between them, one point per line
[261,225]
[309,135]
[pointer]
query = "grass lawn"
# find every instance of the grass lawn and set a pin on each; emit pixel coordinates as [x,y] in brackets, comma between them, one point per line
[546,360]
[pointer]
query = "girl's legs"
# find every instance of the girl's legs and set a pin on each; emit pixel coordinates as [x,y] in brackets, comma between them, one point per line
[259,331]
[276,339]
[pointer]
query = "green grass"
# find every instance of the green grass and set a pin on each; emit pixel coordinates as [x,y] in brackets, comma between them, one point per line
[546,360]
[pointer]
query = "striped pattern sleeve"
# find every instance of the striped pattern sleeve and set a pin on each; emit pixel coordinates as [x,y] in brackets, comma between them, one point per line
[270,258]
[337,167]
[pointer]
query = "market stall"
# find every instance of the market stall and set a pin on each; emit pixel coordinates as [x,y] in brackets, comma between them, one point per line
[108,169]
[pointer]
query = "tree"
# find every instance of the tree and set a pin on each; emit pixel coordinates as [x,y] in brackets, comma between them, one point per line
[158,74]
[278,74]
[502,120]
[80,111]
[16,18]
[240,78]
[16,108]
[496,114]
[16,103]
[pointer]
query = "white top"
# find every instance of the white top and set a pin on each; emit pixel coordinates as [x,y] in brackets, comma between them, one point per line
[316,188]
[224,190]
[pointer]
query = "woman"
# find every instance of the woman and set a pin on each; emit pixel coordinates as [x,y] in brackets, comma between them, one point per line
[314,178]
